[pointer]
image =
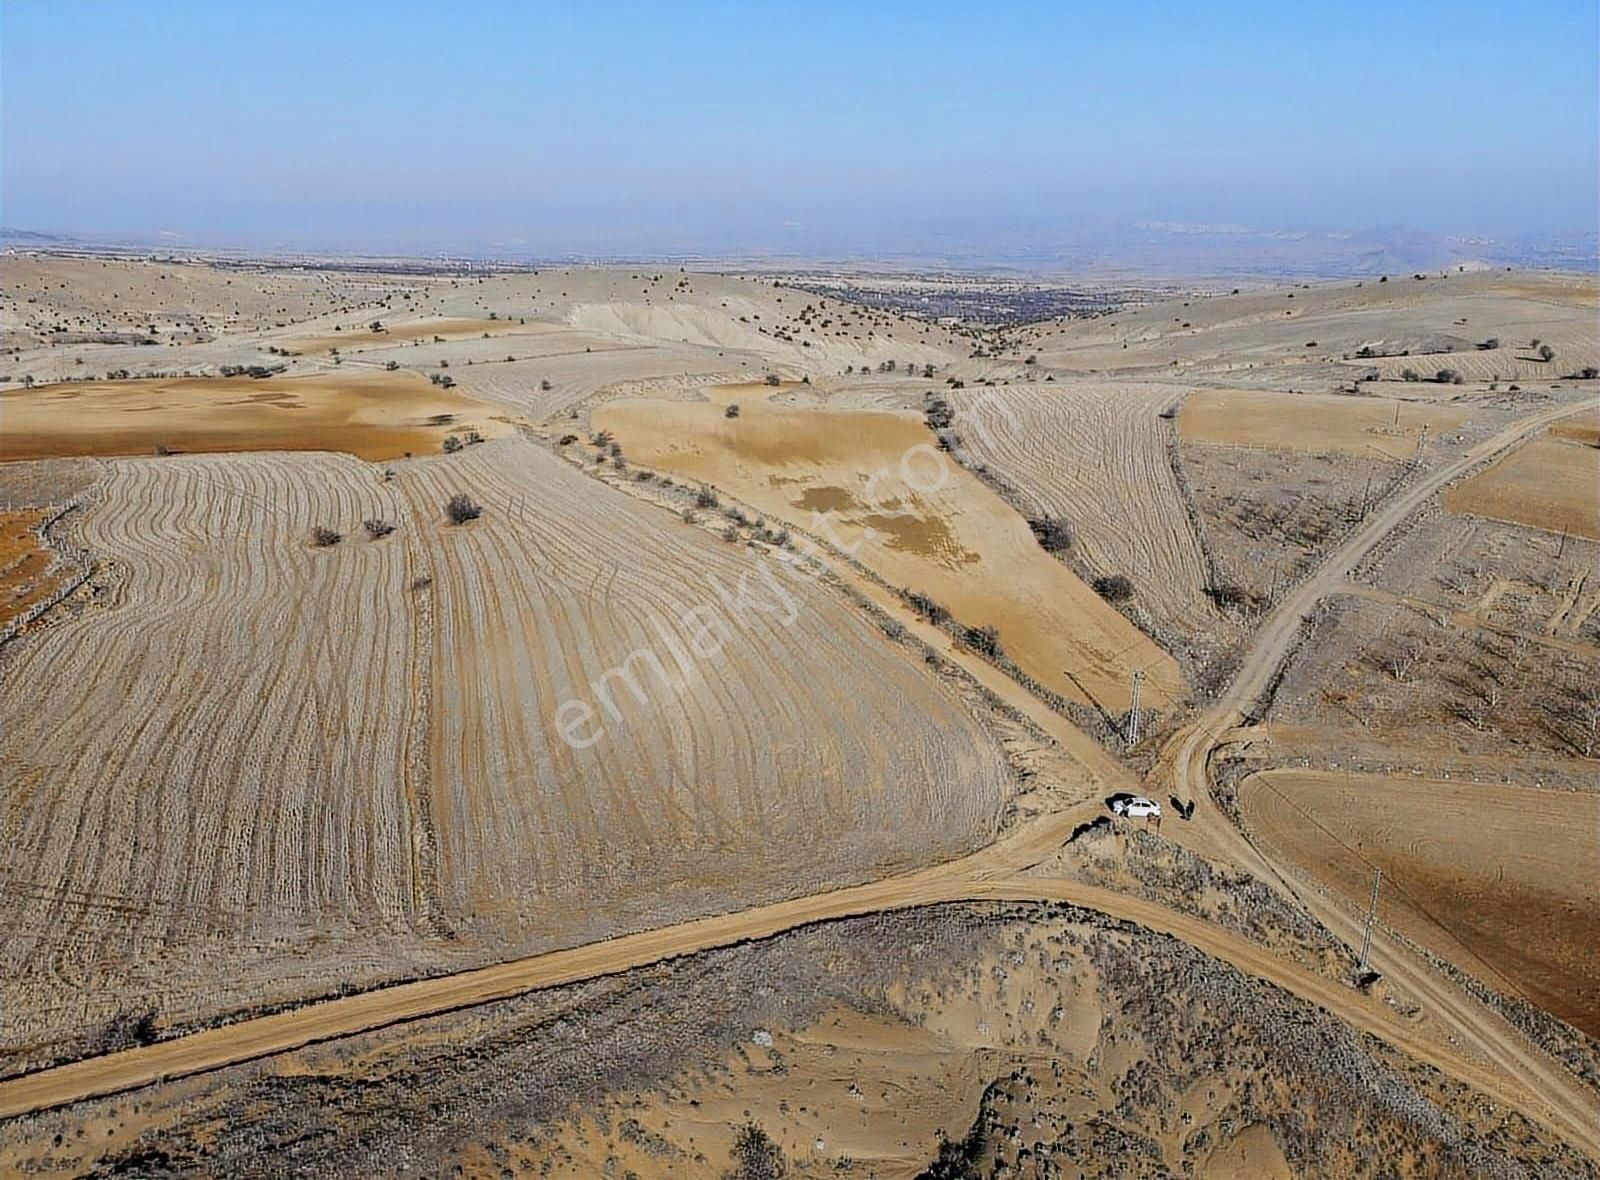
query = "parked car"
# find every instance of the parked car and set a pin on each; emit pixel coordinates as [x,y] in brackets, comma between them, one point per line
[1137,807]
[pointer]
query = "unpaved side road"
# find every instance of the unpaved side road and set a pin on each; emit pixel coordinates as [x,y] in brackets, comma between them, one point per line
[1503,1065]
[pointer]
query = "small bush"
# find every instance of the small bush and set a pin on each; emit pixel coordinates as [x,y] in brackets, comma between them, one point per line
[705,498]
[377,528]
[1228,594]
[1410,375]
[461,508]
[983,639]
[928,608]
[1546,353]
[472,437]
[1054,533]
[1447,377]
[732,411]
[567,440]
[773,379]
[322,536]
[756,1156]
[1114,587]
[452,444]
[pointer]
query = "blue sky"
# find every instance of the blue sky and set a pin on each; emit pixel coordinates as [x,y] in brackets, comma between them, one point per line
[831,126]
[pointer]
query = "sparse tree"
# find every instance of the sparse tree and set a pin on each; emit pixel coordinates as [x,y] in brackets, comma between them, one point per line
[1546,353]
[1054,533]
[461,508]
[1114,587]
[1401,658]
[756,1156]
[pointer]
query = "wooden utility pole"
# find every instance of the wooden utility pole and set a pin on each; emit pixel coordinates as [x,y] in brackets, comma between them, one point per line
[1372,916]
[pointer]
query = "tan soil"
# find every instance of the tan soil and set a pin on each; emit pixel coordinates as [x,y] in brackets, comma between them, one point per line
[1552,483]
[374,416]
[941,533]
[1481,874]
[1313,422]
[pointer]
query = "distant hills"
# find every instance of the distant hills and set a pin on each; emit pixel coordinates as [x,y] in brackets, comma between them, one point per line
[1081,248]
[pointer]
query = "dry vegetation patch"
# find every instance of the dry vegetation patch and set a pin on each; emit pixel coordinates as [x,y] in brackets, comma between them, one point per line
[359,338]
[27,568]
[1552,482]
[1314,422]
[374,416]
[876,483]
[1488,876]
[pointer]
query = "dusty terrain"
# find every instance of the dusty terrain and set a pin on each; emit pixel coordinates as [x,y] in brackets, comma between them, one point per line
[1483,874]
[876,484]
[678,806]
[373,416]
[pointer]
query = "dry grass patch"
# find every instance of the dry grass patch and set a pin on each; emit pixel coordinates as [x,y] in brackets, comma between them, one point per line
[1485,875]
[374,416]
[1552,483]
[1313,422]
[445,328]
[927,525]
[26,576]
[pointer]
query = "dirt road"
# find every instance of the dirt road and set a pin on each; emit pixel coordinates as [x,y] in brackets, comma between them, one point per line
[1483,1033]
[1497,1060]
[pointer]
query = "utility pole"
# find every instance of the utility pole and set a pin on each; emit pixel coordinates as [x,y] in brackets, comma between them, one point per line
[1133,713]
[1366,499]
[1562,548]
[1372,916]
[1422,441]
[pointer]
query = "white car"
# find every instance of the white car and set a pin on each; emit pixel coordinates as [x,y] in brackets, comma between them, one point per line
[1137,807]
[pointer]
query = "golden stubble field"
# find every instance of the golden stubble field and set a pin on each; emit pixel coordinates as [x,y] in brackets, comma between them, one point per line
[374,416]
[877,483]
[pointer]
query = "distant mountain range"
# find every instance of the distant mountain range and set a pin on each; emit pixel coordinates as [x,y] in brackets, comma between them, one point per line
[1100,248]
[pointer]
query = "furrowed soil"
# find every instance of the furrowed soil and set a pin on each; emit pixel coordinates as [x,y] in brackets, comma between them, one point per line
[875,482]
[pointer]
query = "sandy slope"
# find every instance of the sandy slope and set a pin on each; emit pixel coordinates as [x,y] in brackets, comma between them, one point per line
[915,518]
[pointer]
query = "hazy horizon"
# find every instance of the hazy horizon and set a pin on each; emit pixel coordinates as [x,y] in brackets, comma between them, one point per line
[713,129]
